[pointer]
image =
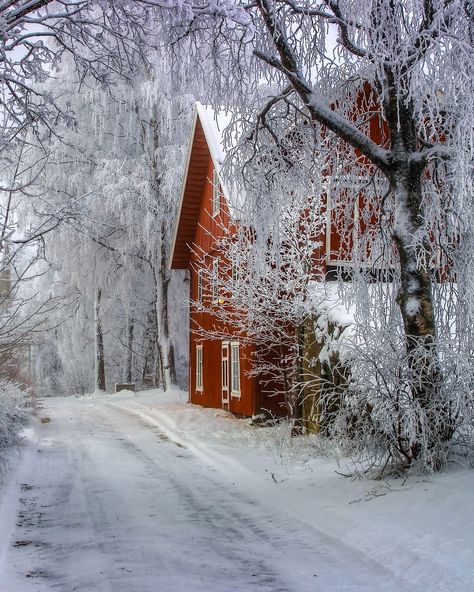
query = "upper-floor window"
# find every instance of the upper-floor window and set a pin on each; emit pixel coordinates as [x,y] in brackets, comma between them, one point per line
[235,277]
[215,279]
[200,275]
[216,194]
[353,229]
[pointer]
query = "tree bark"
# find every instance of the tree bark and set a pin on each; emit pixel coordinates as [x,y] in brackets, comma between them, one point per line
[100,362]
[131,330]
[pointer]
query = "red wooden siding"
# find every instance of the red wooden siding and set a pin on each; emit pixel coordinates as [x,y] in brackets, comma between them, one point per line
[194,246]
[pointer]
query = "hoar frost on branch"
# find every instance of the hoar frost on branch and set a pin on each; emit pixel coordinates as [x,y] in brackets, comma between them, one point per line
[102,37]
[386,89]
[115,164]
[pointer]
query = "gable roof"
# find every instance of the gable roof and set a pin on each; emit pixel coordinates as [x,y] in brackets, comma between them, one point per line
[205,141]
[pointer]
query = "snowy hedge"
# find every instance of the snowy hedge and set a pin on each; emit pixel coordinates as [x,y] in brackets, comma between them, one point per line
[14,413]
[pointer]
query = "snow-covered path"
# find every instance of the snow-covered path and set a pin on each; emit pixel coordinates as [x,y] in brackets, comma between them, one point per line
[144,492]
[108,503]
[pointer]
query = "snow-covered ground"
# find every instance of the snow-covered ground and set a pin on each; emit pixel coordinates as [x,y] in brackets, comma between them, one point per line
[139,493]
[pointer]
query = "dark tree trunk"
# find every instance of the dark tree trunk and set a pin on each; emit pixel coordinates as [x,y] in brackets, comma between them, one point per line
[415,297]
[298,419]
[100,362]
[172,364]
[131,328]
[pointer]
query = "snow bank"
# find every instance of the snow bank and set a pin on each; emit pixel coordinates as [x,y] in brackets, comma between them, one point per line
[13,417]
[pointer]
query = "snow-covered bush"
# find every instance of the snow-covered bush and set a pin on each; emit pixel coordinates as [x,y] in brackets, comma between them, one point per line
[380,422]
[14,413]
[361,390]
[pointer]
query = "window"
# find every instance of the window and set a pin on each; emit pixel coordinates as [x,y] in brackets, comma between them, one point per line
[215,280]
[235,277]
[216,194]
[235,369]
[225,365]
[353,232]
[199,382]
[199,284]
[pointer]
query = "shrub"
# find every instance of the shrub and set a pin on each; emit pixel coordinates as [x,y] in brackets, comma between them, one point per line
[14,413]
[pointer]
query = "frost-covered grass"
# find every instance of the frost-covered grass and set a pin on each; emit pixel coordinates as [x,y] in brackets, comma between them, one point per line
[14,413]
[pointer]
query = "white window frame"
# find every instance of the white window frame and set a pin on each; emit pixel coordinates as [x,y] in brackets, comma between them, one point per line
[235,276]
[225,375]
[350,185]
[215,280]
[199,368]
[225,352]
[200,275]
[355,221]
[216,194]
[235,369]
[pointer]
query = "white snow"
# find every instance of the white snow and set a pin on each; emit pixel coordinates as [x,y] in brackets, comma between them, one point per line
[145,492]
[214,123]
[328,298]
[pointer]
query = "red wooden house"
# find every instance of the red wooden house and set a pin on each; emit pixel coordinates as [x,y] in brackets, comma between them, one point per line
[218,369]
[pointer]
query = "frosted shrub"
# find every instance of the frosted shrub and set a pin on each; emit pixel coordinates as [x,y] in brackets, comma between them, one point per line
[14,415]
[380,421]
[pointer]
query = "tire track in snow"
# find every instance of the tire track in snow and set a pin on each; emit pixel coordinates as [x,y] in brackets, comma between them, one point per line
[328,549]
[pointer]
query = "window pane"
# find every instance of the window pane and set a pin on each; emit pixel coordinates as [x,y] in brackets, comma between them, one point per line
[235,364]
[199,289]
[199,367]
[216,194]
[215,279]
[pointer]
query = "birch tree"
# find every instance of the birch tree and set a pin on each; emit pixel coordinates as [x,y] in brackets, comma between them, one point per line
[115,162]
[387,88]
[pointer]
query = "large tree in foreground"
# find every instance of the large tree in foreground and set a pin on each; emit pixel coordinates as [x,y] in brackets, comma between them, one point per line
[405,67]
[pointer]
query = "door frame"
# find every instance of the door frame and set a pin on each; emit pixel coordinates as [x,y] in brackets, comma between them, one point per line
[225,368]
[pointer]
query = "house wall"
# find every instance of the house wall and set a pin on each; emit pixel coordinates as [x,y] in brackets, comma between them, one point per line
[207,231]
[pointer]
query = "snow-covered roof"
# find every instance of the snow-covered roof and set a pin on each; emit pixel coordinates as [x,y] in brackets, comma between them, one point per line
[214,122]
[207,130]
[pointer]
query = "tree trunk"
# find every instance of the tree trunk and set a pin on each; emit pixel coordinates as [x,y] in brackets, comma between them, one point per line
[100,363]
[415,297]
[298,381]
[131,328]
[164,281]
[172,363]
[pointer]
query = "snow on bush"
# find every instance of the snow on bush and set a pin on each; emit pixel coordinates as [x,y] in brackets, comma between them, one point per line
[14,413]
[368,394]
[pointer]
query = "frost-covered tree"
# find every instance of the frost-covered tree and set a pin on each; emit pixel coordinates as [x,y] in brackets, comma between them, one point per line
[24,312]
[113,166]
[102,37]
[386,89]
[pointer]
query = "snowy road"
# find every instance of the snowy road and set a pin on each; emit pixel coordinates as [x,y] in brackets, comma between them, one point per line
[106,502]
